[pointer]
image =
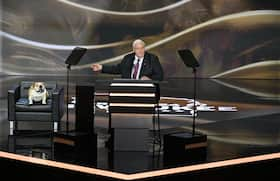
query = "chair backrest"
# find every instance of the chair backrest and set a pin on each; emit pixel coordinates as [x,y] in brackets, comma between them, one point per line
[25,85]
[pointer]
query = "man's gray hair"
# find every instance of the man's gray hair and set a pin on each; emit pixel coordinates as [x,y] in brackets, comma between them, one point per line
[138,41]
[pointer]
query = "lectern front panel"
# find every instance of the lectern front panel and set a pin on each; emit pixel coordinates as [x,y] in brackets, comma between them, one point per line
[85,109]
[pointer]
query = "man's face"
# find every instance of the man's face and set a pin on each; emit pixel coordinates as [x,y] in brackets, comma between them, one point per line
[139,50]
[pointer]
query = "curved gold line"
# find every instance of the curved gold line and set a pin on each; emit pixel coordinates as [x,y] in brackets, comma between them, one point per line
[252,65]
[255,47]
[59,47]
[148,12]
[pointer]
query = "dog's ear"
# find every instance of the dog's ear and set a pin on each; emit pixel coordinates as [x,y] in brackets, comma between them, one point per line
[43,84]
[32,85]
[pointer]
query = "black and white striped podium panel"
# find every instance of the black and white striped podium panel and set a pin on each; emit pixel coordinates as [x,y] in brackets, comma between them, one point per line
[132,109]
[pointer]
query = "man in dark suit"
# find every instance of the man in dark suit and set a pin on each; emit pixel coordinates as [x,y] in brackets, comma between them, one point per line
[137,65]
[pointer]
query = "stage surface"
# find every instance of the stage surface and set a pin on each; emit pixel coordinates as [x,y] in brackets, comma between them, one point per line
[239,116]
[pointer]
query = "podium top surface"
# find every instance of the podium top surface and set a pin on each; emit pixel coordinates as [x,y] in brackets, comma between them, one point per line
[120,80]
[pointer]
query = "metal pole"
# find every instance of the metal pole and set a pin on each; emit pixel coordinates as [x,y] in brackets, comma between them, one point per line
[194,102]
[67,99]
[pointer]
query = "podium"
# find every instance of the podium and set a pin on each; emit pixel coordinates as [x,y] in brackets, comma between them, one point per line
[127,96]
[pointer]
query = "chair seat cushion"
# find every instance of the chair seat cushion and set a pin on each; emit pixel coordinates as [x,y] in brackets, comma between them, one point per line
[23,106]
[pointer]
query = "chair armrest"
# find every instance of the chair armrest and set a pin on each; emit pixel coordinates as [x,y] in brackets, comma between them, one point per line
[58,103]
[13,96]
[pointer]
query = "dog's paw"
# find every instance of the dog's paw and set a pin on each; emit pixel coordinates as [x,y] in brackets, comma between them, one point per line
[44,103]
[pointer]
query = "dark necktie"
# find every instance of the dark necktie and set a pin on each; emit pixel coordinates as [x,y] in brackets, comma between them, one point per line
[136,67]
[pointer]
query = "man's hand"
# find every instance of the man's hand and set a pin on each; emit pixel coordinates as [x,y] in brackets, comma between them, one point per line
[96,67]
[145,78]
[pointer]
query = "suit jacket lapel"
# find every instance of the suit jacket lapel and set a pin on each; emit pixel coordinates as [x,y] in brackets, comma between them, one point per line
[144,64]
[131,59]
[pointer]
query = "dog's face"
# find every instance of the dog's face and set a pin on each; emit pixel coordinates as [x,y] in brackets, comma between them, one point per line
[39,87]
[37,92]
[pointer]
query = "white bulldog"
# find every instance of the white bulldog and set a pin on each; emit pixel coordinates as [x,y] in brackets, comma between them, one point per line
[37,93]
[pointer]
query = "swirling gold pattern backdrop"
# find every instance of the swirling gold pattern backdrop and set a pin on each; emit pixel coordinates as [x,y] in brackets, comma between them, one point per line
[230,39]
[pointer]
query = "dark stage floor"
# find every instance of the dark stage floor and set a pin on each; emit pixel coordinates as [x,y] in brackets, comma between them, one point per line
[239,117]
